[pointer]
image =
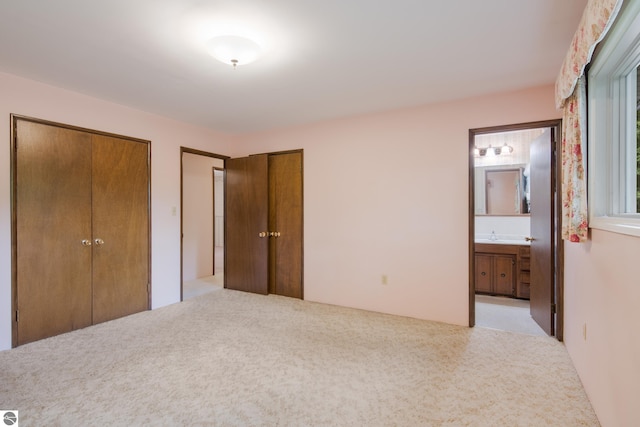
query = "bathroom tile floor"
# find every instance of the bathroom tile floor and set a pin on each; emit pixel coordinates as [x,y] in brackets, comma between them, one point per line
[507,314]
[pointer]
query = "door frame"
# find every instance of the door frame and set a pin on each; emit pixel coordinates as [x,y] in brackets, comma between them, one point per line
[224,177]
[558,260]
[213,194]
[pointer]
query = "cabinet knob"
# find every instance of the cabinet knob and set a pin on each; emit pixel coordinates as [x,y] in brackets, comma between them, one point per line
[483,274]
[503,275]
[86,242]
[99,242]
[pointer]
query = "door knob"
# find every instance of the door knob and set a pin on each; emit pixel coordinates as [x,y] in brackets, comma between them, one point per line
[262,234]
[99,242]
[86,242]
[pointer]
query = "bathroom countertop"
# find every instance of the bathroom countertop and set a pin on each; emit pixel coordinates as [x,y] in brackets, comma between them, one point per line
[503,242]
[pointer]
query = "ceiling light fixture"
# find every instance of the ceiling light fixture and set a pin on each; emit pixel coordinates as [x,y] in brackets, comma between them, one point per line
[492,151]
[233,50]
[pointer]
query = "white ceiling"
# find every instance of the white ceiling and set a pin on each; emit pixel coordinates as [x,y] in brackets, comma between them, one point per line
[324,59]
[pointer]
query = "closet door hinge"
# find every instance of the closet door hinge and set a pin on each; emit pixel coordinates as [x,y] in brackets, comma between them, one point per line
[553,309]
[17,315]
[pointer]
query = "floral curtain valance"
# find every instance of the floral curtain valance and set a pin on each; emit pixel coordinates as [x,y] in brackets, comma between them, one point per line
[596,21]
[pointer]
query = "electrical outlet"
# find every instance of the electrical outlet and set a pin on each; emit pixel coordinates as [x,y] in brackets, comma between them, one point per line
[384,279]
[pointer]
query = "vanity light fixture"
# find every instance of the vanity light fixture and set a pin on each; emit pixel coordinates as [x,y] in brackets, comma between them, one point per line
[492,151]
[233,50]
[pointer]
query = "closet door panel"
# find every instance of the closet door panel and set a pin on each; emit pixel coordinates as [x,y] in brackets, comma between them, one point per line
[120,227]
[53,217]
[247,200]
[285,218]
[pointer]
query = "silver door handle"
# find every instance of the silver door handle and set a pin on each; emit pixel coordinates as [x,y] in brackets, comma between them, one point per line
[99,242]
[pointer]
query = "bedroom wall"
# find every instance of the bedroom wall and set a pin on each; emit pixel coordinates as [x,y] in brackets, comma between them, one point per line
[29,98]
[602,291]
[387,194]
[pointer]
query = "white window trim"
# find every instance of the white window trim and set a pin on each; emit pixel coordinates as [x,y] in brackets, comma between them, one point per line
[608,89]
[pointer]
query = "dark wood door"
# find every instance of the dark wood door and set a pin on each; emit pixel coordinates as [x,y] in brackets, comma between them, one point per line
[246,218]
[285,221]
[542,229]
[53,218]
[120,227]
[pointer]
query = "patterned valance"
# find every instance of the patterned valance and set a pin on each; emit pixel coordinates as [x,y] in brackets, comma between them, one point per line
[596,20]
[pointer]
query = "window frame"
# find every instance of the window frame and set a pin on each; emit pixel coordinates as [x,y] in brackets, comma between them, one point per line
[612,117]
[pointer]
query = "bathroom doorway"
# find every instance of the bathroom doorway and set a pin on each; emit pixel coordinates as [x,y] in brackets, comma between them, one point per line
[201,222]
[515,258]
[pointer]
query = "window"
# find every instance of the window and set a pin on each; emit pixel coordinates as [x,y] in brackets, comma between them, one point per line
[614,127]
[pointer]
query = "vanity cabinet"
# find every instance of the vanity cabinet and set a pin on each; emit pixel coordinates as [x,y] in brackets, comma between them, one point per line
[495,274]
[502,270]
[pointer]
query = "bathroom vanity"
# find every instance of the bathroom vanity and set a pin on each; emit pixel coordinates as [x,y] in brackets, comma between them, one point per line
[503,269]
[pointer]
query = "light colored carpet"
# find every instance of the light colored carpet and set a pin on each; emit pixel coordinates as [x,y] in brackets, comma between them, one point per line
[506,314]
[230,358]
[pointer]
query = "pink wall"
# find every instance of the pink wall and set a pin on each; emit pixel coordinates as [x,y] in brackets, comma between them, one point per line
[29,98]
[602,290]
[387,194]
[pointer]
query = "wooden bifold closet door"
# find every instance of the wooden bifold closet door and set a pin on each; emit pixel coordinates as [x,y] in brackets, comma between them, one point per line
[263,217]
[81,228]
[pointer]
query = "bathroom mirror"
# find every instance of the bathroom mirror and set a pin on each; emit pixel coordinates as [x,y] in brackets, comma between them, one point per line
[501,165]
[502,190]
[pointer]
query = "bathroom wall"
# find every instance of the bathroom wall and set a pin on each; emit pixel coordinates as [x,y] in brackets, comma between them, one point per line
[505,227]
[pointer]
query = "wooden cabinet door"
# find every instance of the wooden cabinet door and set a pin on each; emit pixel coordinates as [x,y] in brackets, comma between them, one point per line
[483,273]
[120,227]
[503,274]
[53,217]
[246,216]
[285,219]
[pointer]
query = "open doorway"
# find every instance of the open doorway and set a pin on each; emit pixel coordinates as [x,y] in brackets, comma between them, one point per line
[515,256]
[202,222]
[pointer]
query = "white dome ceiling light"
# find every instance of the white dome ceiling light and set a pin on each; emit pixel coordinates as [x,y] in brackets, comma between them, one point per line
[234,50]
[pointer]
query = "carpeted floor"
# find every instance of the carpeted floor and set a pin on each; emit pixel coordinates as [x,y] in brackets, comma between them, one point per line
[229,358]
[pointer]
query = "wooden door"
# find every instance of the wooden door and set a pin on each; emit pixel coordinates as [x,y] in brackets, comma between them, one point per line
[285,220]
[246,216]
[504,277]
[120,227]
[542,230]
[53,218]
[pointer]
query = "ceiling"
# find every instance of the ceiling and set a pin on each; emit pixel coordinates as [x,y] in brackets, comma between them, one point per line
[322,59]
